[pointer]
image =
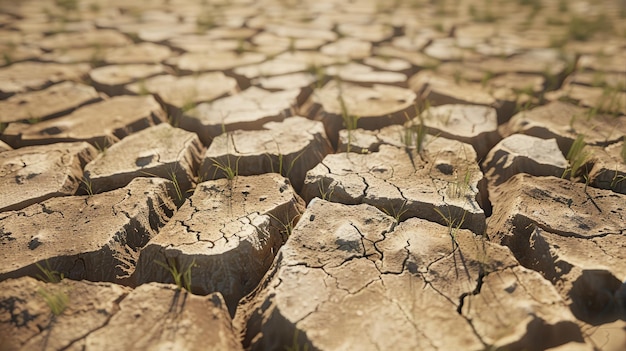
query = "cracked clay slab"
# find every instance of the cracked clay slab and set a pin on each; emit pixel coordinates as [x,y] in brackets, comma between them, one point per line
[573,235]
[183,93]
[609,168]
[100,124]
[164,317]
[36,173]
[228,232]
[521,153]
[159,151]
[247,110]
[472,124]
[291,147]
[555,205]
[96,316]
[28,323]
[96,238]
[350,278]
[25,76]
[376,106]
[564,121]
[54,101]
[441,185]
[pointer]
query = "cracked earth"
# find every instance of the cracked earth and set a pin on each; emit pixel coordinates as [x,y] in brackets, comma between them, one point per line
[328,175]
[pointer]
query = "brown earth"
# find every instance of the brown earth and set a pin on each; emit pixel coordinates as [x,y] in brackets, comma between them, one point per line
[312,175]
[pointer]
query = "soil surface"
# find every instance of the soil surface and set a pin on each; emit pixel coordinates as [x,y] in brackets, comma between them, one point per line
[312,175]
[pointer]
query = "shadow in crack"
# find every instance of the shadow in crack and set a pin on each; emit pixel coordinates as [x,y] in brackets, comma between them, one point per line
[598,297]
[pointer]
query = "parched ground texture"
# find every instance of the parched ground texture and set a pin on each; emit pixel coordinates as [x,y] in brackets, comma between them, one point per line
[312,175]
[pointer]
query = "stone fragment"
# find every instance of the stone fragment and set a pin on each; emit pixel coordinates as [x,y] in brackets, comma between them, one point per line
[441,185]
[471,124]
[215,61]
[112,79]
[291,147]
[159,151]
[375,107]
[96,238]
[25,76]
[100,124]
[52,102]
[227,234]
[97,38]
[35,173]
[343,263]
[166,318]
[27,320]
[97,315]
[248,110]
[564,121]
[181,94]
[520,153]
[609,167]
[570,233]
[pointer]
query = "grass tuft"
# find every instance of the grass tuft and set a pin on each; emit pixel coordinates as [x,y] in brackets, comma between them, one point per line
[623,152]
[577,157]
[397,213]
[582,29]
[461,187]
[226,167]
[454,224]
[350,121]
[56,299]
[87,185]
[182,277]
[326,192]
